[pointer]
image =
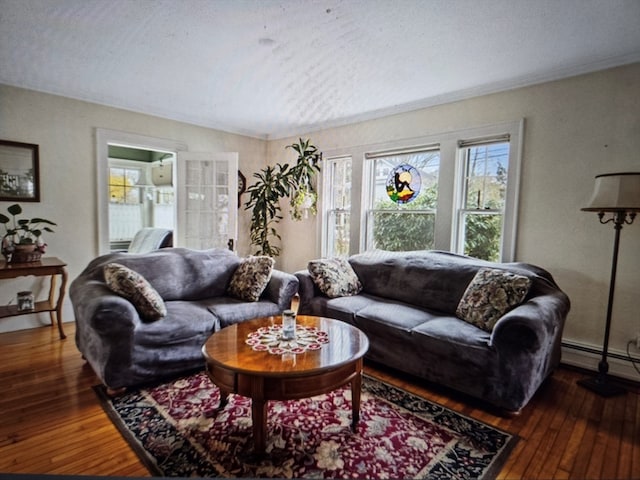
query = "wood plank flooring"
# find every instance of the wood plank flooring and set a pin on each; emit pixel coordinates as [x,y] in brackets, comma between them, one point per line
[51,421]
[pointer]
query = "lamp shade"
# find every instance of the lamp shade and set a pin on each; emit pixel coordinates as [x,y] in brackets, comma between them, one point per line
[616,192]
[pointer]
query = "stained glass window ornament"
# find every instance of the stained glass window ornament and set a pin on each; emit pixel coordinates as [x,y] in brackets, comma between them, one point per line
[404,184]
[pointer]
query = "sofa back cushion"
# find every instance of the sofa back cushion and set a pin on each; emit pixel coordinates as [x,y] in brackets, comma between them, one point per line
[177,273]
[430,279]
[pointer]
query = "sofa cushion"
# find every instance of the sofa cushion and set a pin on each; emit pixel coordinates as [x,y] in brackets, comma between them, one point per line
[334,277]
[251,278]
[177,273]
[133,286]
[491,294]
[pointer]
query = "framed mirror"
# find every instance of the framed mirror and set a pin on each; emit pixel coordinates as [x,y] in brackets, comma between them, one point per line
[19,172]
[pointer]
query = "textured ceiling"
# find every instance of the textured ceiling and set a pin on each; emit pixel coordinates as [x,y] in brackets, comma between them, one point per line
[277,68]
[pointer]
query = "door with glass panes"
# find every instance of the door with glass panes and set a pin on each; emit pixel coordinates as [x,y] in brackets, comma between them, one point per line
[207,202]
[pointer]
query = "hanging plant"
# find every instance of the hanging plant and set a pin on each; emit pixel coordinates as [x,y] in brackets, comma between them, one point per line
[304,198]
[274,183]
[303,203]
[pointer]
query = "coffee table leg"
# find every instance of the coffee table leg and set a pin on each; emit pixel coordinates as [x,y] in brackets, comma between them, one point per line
[224,399]
[356,390]
[259,418]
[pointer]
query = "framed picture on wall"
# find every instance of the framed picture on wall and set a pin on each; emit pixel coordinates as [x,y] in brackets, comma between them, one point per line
[19,172]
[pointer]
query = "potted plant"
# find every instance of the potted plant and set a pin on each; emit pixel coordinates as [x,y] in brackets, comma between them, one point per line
[264,201]
[304,198]
[274,183]
[22,241]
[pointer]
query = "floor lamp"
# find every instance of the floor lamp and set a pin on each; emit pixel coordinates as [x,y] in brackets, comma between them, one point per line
[618,194]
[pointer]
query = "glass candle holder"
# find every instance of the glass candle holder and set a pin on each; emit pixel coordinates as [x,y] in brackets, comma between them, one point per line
[288,325]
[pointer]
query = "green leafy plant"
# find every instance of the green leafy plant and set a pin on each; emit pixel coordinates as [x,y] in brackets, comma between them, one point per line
[24,231]
[303,199]
[274,183]
[264,201]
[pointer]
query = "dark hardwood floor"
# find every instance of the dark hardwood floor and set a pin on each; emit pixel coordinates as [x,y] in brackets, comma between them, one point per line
[51,421]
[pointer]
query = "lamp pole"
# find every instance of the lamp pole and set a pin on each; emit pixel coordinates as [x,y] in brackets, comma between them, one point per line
[601,383]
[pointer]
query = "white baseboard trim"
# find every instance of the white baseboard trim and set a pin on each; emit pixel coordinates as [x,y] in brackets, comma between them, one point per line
[588,356]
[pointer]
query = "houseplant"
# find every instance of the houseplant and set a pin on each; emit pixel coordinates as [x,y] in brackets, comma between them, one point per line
[22,241]
[303,199]
[264,201]
[274,183]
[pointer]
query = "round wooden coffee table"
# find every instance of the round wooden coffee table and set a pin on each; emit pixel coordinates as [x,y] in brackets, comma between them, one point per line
[251,370]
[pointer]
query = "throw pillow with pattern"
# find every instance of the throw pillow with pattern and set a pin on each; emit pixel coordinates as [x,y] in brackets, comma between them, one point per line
[334,277]
[251,278]
[491,294]
[135,288]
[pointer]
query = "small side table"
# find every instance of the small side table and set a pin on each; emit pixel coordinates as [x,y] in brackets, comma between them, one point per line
[47,266]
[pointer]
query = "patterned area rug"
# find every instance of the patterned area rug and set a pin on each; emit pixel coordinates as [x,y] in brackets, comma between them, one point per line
[178,431]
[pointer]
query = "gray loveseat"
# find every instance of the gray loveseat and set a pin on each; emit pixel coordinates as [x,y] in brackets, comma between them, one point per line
[125,349]
[408,306]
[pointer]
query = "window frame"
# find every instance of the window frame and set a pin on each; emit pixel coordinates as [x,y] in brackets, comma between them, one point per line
[328,208]
[369,171]
[462,209]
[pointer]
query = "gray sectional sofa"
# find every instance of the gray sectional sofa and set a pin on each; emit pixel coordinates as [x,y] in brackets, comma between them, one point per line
[408,304]
[124,348]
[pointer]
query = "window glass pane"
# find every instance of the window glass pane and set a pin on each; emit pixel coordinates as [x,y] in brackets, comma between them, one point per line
[116,194]
[338,230]
[404,230]
[486,182]
[341,185]
[404,199]
[337,213]
[482,236]
[485,187]
[133,195]
[132,176]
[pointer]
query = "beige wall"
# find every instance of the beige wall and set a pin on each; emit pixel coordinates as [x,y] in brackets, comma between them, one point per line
[65,131]
[574,129]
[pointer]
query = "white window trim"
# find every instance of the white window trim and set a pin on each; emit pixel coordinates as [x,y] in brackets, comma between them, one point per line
[448,191]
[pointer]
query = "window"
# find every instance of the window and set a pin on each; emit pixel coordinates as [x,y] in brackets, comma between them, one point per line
[125,199]
[123,185]
[338,209]
[402,199]
[481,209]
[465,202]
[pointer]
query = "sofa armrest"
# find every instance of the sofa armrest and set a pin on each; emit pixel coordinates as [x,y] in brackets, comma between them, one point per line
[106,326]
[528,343]
[281,288]
[98,308]
[537,323]
[528,338]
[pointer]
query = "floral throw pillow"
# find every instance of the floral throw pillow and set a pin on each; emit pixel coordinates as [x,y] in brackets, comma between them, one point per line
[491,294]
[334,277]
[251,278]
[135,288]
